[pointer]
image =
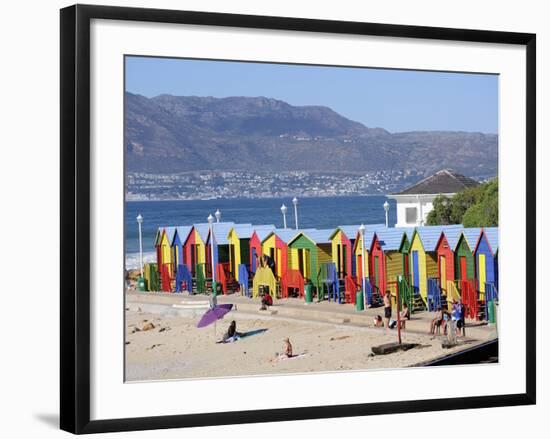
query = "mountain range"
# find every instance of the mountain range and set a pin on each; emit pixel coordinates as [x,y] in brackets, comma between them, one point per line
[167,134]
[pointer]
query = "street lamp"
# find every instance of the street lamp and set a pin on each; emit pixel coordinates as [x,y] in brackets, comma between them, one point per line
[211,226]
[295,202]
[386,209]
[284,209]
[218,215]
[139,220]
[362,233]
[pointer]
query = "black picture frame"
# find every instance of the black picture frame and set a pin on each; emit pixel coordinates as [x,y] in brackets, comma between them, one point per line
[75,217]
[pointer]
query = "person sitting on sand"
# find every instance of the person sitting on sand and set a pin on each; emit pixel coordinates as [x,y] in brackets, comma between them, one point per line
[378,321]
[404,315]
[231,331]
[288,348]
[266,300]
[436,321]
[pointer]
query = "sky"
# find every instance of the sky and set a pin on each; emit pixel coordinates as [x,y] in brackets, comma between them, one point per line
[396,100]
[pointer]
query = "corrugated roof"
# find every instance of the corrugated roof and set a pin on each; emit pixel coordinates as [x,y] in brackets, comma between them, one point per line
[158,235]
[286,235]
[429,235]
[492,237]
[202,230]
[170,232]
[246,231]
[391,238]
[321,236]
[182,232]
[351,230]
[471,235]
[453,235]
[445,181]
[221,230]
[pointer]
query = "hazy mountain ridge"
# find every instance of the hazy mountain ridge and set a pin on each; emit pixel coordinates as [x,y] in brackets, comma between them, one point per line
[174,134]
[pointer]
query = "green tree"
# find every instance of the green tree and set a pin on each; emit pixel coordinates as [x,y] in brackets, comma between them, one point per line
[474,207]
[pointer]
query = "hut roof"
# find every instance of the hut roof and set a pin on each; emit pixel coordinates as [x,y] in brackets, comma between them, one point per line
[221,230]
[429,235]
[391,238]
[471,235]
[492,237]
[170,232]
[182,232]
[286,235]
[244,231]
[158,235]
[445,181]
[351,230]
[321,236]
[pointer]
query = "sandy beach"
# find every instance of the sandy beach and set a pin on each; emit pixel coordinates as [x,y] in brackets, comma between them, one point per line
[161,346]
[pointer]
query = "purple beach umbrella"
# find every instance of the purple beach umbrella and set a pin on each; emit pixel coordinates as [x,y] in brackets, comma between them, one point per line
[214,314]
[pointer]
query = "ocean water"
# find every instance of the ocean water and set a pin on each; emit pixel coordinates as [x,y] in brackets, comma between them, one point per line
[321,213]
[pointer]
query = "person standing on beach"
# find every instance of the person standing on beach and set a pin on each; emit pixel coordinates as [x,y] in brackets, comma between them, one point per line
[387,309]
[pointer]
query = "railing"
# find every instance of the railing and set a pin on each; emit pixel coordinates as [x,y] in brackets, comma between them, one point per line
[406,293]
[328,276]
[434,295]
[184,281]
[292,279]
[165,277]
[200,278]
[243,279]
[350,287]
[221,277]
[469,297]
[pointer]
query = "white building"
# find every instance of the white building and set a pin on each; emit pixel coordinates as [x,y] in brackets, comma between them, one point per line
[416,202]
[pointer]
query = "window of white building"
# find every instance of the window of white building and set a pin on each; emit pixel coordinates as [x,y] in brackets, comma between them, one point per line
[411,215]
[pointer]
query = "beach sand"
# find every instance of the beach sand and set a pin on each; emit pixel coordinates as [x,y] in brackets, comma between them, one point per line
[176,349]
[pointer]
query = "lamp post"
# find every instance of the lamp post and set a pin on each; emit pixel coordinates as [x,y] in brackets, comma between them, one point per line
[386,209]
[284,209]
[362,233]
[211,225]
[139,220]
[295,202]
[218,215]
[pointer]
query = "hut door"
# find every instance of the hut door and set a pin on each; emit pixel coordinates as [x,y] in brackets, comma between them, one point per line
[376,272]
[253,264]
[443,271]
[193,258]
[463,268]
[344,261]
[301,261]
[278,262]
[416,277]
[481,272]
[233,261]
[339,259]
[359,267]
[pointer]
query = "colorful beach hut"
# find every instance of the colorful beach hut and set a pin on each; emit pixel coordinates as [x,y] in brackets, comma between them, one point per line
[256,247]
[220,250]
[165,256]
[343,245]
[465,270]
[486,260]
[423,257]
[180,236]
[239,238]
[386,261]
[308,251]
[446,263]
[194,247]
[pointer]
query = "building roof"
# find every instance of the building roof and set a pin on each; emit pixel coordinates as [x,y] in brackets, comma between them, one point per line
[391,238]
[170,232]
[471,235]
[221,230]
[492,237]
[453,235]
[182,232]
[245,231]
[351,230]
[429,235]
[321,236]
[445,181]
[286,235]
